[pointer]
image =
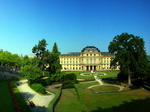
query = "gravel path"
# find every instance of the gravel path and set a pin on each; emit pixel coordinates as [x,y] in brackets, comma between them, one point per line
[98,80]
[41,101]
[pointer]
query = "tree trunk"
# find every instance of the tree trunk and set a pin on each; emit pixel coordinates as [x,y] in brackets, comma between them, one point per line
[129,79]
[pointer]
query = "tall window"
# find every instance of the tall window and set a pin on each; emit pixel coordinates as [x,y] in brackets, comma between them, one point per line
[86,61]
[90,61]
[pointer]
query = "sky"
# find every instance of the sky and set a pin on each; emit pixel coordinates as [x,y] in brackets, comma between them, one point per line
[72,24]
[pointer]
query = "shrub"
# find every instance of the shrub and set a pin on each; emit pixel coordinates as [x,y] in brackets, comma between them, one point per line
[38,88]
[45,81]
[32,73]
[70,77]
[57,77]
[68,84]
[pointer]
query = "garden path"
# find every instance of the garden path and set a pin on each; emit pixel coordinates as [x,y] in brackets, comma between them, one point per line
[41,101]
[98,80]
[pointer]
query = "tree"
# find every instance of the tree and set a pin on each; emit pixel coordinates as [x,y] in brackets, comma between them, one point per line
[40,51]
[130,55]
[54,62]
[32,73]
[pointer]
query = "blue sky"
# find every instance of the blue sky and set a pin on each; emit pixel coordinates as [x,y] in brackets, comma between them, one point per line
[72,24]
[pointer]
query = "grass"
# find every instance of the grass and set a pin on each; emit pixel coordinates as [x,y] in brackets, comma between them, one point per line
[129,101]
[105,88]
[53,103]
[110,74]
[20,99]
[6,103]
[86,77]
[69,102]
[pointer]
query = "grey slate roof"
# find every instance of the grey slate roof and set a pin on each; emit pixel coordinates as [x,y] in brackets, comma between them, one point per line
[71,54]
[78,53]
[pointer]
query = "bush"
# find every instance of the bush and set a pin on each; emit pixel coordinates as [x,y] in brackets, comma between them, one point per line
[57,77]
[137,82]
[70,77]
[45,81]
[68,84]
[38,88]
[32,73]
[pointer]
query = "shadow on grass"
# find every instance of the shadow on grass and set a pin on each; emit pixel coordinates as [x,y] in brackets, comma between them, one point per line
[38,109]
[132,106]
[111,82]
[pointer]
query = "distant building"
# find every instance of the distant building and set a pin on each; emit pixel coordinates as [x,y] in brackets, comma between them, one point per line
[89,59]
[31,56]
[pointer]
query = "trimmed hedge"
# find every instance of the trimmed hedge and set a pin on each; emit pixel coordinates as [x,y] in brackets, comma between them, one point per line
[68,84]
[54,102]
[38,88]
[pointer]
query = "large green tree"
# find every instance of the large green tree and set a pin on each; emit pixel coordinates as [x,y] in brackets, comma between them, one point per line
[54,62]
[42,54]
[130,55]
[31,72]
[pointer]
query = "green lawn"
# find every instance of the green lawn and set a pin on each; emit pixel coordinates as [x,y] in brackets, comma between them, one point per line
[87,77]
[6,104]
[20,99]
[69,102]
[105,88]
[84,100]
[109,74]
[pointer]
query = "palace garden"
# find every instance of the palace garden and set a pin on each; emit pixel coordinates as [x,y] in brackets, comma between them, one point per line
[39,85]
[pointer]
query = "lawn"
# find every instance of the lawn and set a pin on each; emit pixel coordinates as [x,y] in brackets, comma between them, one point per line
[7,104]
[86,77]
[110,74]
[89,77]
[84,100]
[105,88]
[69,102]
[20,99]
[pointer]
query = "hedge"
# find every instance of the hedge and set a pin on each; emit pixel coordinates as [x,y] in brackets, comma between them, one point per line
[54,102]
[38,88]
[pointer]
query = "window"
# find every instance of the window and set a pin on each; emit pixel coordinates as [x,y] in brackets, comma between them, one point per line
[90,61]
[94,61]
[86,61]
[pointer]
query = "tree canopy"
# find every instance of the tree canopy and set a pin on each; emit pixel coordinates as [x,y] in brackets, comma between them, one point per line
[9,59]
[130,54]
[41,53]
[54,62]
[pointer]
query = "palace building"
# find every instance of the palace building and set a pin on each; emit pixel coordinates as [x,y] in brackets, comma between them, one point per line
[89,59]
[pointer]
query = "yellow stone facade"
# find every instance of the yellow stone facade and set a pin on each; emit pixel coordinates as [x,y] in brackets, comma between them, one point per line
[89,59]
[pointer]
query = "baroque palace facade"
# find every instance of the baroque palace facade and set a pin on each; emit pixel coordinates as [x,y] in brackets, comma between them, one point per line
[89,59]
